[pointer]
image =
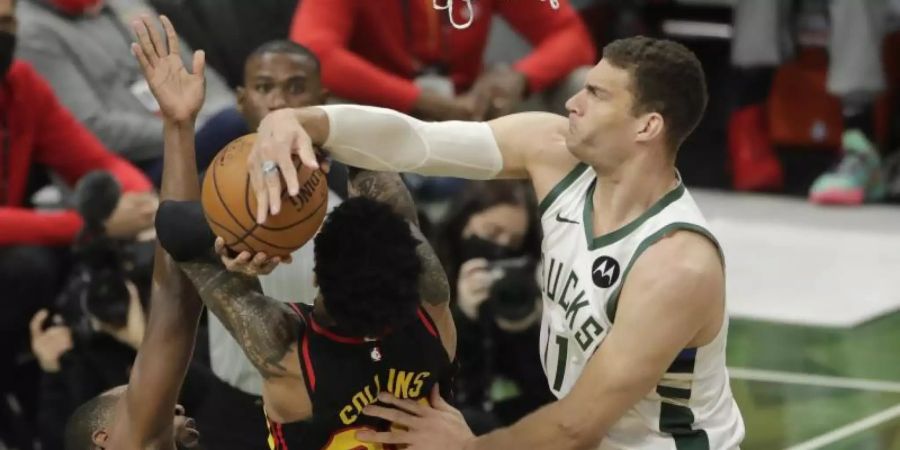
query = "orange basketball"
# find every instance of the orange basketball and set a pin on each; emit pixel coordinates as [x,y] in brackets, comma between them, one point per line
[230,206]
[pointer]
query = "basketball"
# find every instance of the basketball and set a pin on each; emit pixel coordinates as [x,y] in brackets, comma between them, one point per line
[230,206]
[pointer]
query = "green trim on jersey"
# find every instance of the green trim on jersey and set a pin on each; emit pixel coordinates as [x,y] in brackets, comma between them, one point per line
[613,304]
[561,186]
[610,238]
[677,420]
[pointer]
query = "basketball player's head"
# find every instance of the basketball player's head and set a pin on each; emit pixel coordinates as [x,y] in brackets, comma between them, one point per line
[279,74]
[367,268]
[90,425]
[645,95]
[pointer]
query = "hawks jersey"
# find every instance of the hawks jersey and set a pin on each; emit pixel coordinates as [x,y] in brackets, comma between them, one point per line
[582,276]
[345,374]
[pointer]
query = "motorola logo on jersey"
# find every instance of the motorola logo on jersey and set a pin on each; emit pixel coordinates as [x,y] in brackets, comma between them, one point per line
[605,271]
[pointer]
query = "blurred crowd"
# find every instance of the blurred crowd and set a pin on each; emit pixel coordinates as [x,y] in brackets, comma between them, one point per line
[81,147]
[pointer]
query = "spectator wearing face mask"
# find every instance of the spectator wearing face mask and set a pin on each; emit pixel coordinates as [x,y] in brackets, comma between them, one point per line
[490,245]
[82,47]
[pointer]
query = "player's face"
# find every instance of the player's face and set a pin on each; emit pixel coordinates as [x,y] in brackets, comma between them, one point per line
[602,128]
[7,17]
[504,225]
[185,429]
[274,81]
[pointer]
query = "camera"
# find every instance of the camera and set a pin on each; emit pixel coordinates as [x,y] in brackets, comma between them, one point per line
[515,288]
[97,285]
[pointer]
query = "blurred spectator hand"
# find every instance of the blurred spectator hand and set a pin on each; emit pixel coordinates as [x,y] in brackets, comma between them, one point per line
[473,286]
[49,344]
[133,215]
[432,106]
[497,92]
[133,332]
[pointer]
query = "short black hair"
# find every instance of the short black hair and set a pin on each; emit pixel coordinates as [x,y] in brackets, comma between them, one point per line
[88,418]
[666,78]
[367,268]
[282,46]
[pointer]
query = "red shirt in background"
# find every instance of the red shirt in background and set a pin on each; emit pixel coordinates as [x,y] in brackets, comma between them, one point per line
[370,55]
[40,131]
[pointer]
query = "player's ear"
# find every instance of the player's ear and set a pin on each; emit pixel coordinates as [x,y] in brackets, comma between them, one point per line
[99,438]
[649,127]
[241,94]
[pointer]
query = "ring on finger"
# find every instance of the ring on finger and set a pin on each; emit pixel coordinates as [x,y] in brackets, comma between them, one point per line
[269,167]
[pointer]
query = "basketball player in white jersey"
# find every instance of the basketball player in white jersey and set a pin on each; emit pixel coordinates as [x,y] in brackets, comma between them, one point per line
[634,326]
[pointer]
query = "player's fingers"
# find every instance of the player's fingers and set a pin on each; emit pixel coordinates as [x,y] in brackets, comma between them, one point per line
[438,403]
[269,266]
[171,37]
[155,37]
[404,404]
[287,259]
[392,415]
[273,191]
[305,150]
[259,260]
[37,321]
[384,437]
[199,63]
[138,53]
[143,37]
[259,189]
[289,172]
[219,247]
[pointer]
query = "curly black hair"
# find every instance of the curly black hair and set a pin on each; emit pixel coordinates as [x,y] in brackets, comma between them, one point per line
[367,268]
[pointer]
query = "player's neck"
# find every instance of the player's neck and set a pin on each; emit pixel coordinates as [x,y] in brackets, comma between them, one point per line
[623,194]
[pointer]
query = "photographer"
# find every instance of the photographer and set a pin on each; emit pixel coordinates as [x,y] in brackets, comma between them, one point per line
[81,361]
[490,244]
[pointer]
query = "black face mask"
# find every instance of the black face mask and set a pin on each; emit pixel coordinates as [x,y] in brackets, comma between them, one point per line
[7,46]
[475,247]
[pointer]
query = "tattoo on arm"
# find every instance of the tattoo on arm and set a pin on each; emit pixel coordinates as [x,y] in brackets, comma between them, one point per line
[388,188]
[265,328]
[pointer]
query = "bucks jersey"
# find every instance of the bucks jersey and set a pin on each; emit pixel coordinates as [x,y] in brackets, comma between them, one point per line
[582,276]
[345,374]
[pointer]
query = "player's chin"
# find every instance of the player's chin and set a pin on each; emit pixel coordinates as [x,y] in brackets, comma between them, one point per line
[186,434]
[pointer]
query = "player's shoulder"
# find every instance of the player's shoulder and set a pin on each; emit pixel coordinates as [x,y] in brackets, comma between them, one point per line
[681,264]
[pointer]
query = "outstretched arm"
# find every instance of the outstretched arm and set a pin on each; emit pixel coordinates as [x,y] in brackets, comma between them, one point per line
[162,360]
[434,289]
[526,145]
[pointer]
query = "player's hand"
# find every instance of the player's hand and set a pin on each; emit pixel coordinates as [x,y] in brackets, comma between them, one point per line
[436,427]
[50,344]
[247,263]
[179,93]
[280,135]
[133,215]
[473,286]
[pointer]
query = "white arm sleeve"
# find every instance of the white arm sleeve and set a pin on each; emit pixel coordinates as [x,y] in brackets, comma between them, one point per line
[382,139]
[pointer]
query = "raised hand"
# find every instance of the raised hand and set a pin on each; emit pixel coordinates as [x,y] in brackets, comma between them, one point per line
[179,93]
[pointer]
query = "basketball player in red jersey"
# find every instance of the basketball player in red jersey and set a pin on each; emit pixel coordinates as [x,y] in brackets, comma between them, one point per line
[381,322]
[140,415]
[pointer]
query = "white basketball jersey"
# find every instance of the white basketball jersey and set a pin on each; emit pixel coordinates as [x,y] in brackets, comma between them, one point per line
[581,276]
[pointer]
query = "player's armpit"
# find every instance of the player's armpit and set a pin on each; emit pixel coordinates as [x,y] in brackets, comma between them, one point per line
[265,328]
[660,313]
